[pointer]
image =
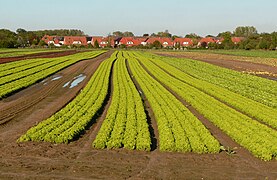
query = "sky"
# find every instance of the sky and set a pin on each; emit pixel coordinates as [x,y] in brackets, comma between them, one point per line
[102,17]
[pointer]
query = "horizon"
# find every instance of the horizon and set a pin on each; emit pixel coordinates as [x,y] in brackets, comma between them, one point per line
[143,17]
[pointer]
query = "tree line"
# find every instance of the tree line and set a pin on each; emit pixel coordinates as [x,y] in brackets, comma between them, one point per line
[23,38]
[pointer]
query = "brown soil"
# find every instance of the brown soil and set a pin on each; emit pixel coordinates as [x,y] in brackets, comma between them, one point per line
[38,55]
[227,61]
[77,160]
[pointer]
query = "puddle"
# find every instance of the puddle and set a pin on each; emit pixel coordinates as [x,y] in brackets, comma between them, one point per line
[76,80]
[56,78]
[66,84]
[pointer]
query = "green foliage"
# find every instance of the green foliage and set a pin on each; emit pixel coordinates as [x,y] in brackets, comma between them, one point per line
[21,74]
[42,43]
[252,53]
[125,124]
[227,42]
[23,52]
[258,111]
[255,88]
[59,32]
[156,44]
[166,33]
[71,121]
[212,101]
[179,130]
[245,31]
[7,39]
[192,36]
[96,44]
[123,34]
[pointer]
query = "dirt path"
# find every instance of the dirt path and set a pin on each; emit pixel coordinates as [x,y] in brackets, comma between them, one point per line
[226,61]
[38,55]
[40,160]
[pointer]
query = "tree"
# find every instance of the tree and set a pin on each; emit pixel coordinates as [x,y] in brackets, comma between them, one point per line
[35,42]
[128,34]
[174,37]
[156,44]
[42,43]
[118,34]
[193,36]
[20,31]
[164,34]
[22,39]
[227,43]
[7,38]
[96,44]
[204,44]
[245,31]
[274,41]
[123,34]
[263,44]
[123,46]
[222,34]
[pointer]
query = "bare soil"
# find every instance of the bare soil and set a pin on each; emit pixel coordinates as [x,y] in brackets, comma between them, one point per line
[38,55]
[230,62]
[77,160]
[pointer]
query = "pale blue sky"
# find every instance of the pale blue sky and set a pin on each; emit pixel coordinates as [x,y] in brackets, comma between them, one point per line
[101,17]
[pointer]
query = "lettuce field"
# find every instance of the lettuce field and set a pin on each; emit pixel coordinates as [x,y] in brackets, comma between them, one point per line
[242,106]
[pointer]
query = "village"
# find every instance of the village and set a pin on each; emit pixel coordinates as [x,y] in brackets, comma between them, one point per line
[140,42]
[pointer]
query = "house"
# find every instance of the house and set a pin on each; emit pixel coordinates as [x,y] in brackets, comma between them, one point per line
[55,40]
[103,41]
[166,42]
[205,41]
[66,40]
[75,40]
[142,40]
[132,41]
[183,42]
[129,42]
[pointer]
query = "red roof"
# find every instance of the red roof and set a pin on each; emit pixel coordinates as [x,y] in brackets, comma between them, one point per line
[132,41]
[69,40]
[183,41]
[51,39]
[163,40]
[102,41]
[236,40]
[207,40]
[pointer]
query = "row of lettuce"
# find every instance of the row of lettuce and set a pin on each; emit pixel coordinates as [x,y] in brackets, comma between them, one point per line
[125,124]
[20,74]
[249,121]
[234,114]
[6,53]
